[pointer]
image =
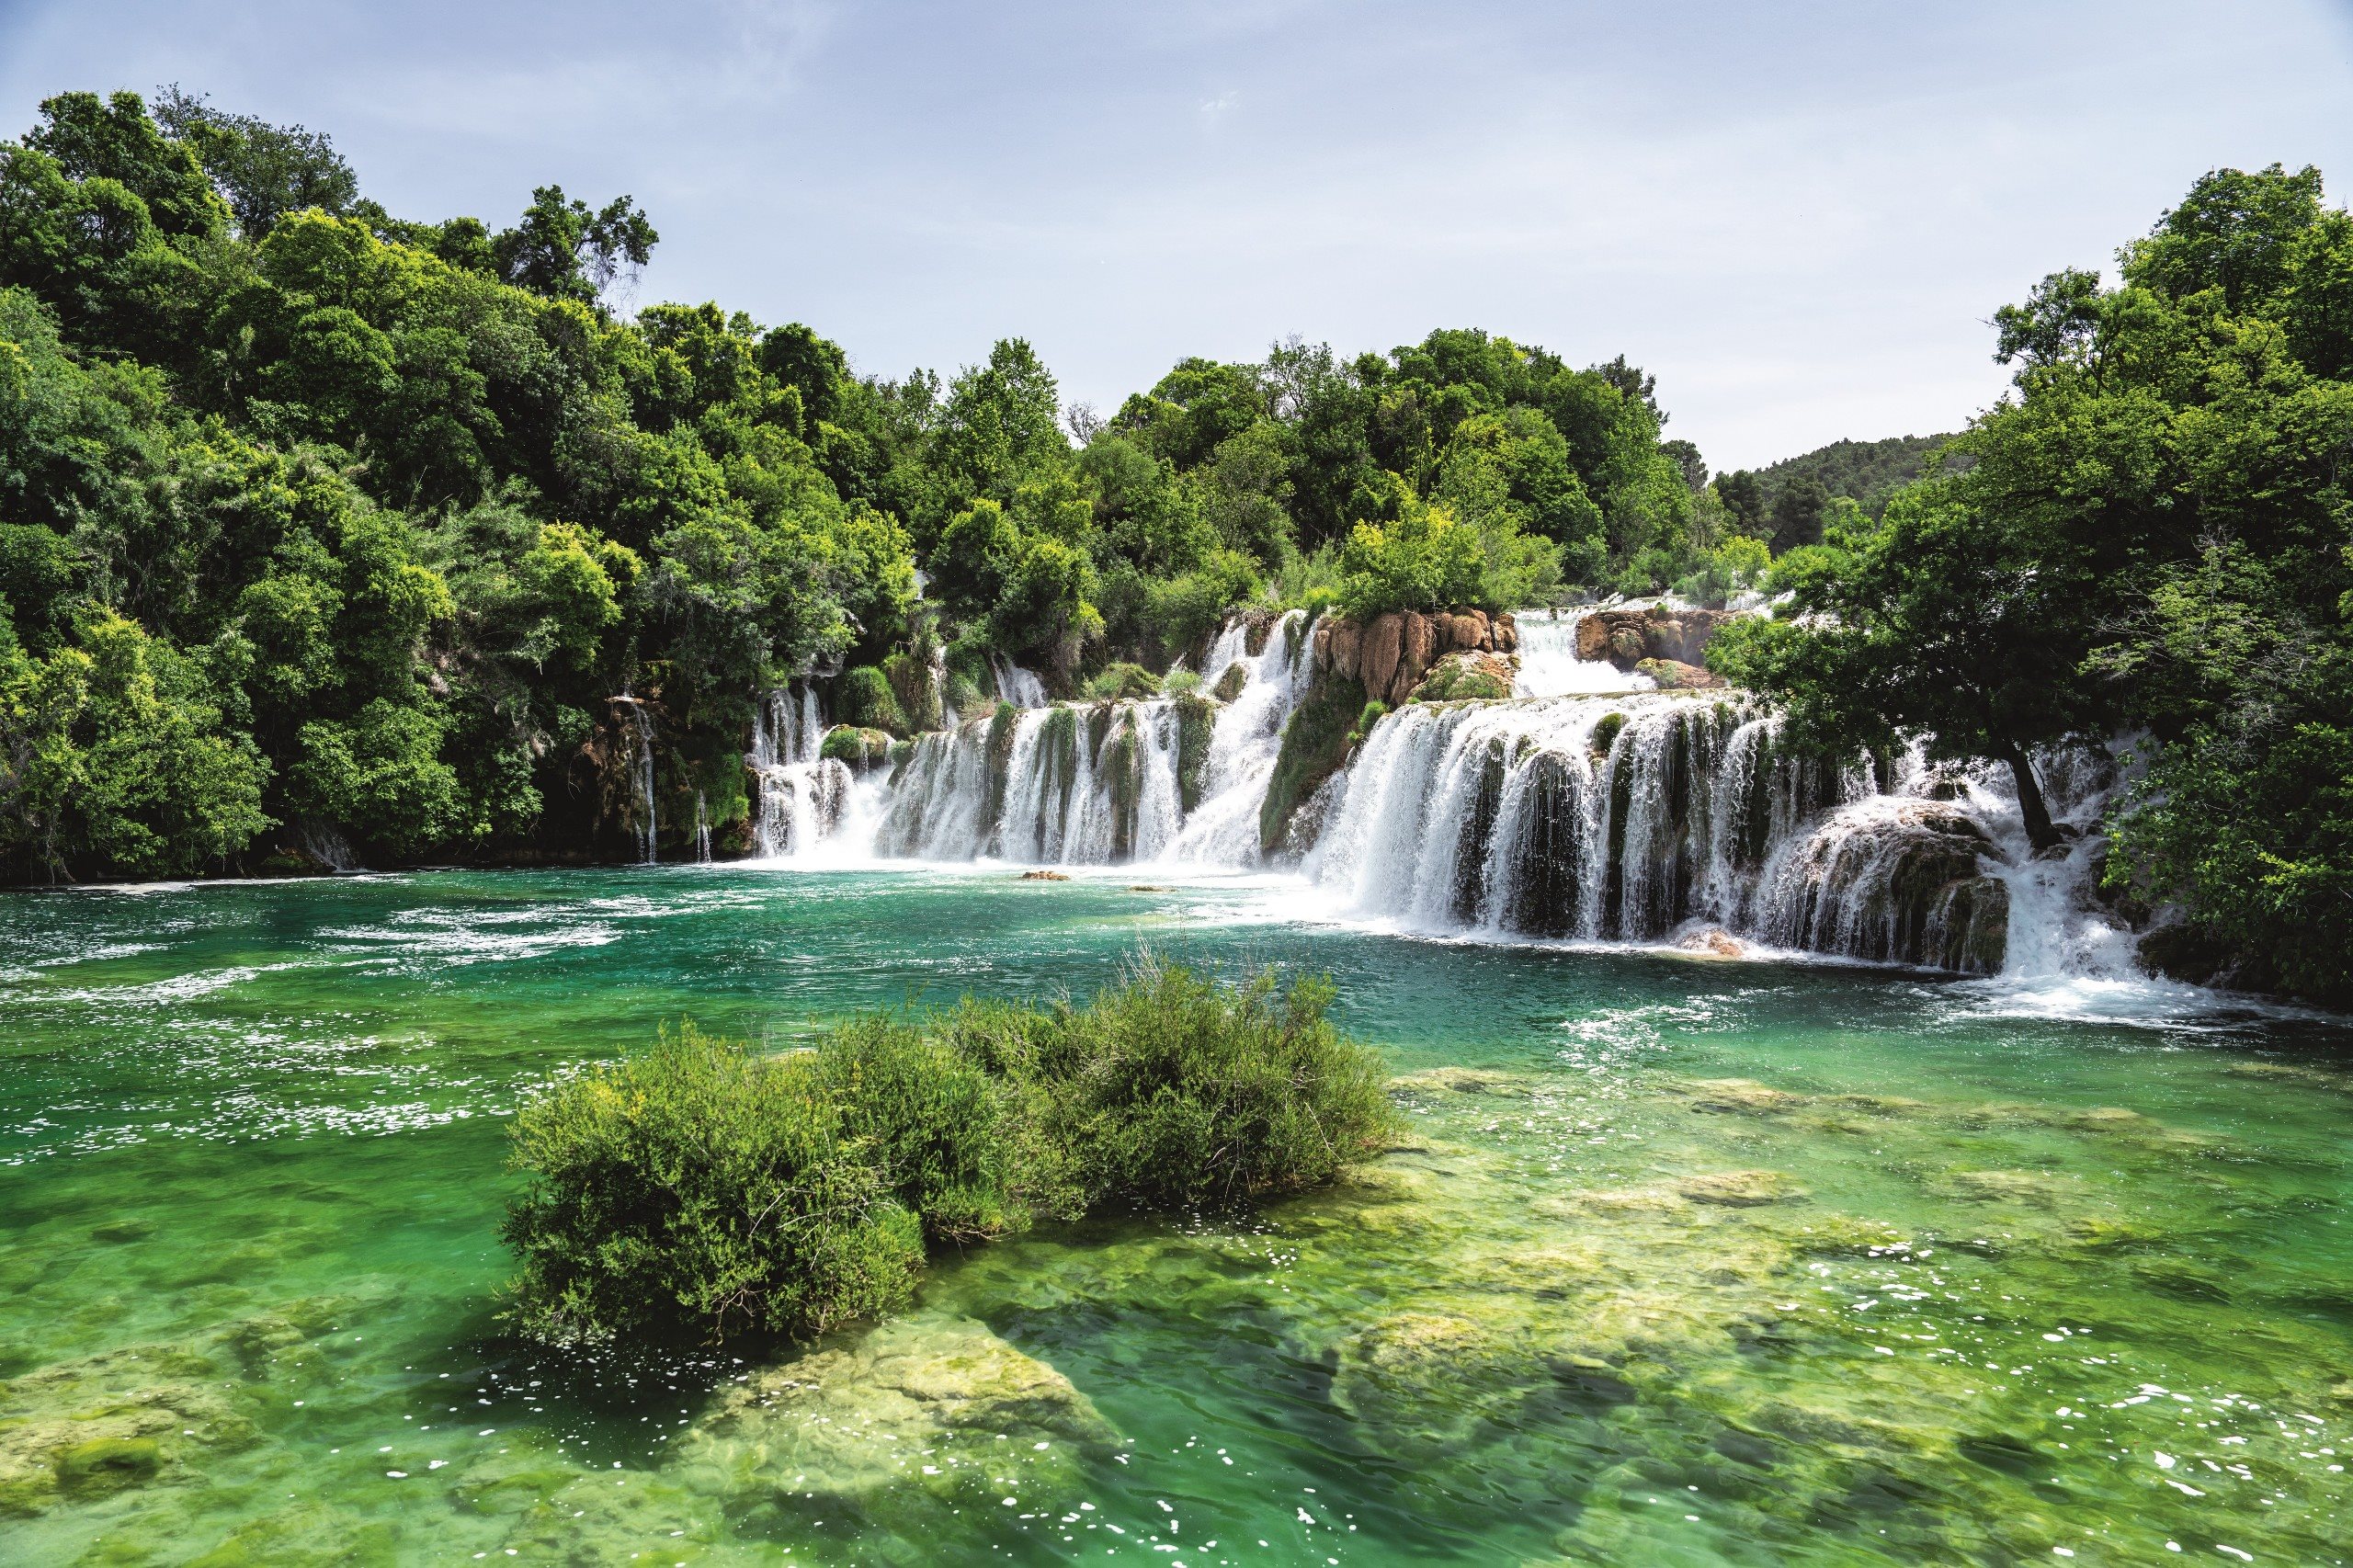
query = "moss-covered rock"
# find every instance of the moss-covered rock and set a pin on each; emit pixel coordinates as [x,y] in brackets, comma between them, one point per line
[860,750]
[1196,723]
[1231,681]
[1465,677]
[1315,745]
[1124,683]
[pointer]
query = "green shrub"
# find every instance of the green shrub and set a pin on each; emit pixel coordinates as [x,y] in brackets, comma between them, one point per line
[1177,683]
[707,1189]
[701,1188]
[933,1126]
[862,697]
[1374,712]
[1174,1092]
[857,749]
[1123,682]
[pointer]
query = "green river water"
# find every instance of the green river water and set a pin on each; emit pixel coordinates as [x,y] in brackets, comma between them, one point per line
[1687,1262]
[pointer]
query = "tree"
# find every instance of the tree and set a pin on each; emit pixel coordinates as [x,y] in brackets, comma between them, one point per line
[566,250]
[1797,512]
[263,171]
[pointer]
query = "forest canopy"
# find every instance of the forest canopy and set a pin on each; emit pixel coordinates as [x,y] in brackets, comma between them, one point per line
[320,525]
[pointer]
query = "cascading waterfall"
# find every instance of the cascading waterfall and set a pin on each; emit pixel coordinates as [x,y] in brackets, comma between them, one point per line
[1637,818]
[640,729]
[1548,666]
[1021,687]
[802,795]
[1170,779]
[1222,830]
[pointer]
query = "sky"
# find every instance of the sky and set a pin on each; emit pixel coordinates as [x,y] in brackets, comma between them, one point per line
[1800,218]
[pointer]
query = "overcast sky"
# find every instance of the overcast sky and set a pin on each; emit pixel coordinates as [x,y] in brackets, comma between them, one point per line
[1798,216]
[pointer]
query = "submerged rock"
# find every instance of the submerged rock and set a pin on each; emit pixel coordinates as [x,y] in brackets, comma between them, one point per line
[929,1404]
[1463,1081]
[1744,1095]
[1741,1189]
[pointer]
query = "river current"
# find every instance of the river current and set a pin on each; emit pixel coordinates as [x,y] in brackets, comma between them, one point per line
[1688,1260]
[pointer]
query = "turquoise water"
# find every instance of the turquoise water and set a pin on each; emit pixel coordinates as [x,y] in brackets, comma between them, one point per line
[1686,1261]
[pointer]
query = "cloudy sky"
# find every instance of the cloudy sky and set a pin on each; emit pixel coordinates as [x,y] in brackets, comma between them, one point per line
[1798,216]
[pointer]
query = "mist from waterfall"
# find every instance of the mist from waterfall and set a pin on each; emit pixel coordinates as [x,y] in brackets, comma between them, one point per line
[1548,666]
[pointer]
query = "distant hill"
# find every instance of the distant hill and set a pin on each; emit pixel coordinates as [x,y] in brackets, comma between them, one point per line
[1869,471]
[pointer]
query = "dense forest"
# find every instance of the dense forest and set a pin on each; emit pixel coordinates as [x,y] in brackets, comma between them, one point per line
[318,521]
[2152,536]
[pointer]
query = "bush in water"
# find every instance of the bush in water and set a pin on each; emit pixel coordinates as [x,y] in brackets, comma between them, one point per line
[701,1187]
[707,1189]
[1174,1092]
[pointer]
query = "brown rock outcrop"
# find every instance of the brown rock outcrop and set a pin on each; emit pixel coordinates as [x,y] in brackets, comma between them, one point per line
[1392,653]
[1627,637]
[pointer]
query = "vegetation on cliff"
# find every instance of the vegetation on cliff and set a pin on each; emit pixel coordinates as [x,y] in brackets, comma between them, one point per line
[705,1189]
[2152,537]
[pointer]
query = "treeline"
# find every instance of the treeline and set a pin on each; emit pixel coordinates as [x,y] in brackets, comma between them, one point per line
[322,525]
[1792,502]
[2151,536]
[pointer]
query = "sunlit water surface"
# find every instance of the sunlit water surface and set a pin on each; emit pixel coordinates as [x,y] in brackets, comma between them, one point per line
[1688,1261]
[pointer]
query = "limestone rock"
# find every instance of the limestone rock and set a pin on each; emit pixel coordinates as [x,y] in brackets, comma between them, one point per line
[1673,674]
[934,1402]
[1463,1081]
[1741,1189]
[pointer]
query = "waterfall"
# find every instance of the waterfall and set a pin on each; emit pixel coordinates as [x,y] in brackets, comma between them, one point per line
[1021,687]
[641,728]
[1176,780]
[1548,666]
[1630,815]
[1641,817]
[801,796]
[703,829]
[1070,784]
[1222,830]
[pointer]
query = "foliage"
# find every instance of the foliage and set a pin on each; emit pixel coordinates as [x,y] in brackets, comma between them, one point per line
[2152,536]
[414,502]
[701,1187]
[1172,1092]
[1124,683]
[706,1190]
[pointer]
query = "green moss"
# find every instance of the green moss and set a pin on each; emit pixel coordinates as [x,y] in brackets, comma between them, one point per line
[1230,683]
[1461,680]
[1123,682]
[859,749]
[107,1464]
[1121,764]
[1315,744]
[1374,712]
[918,693]
[1196,723]
[1605,732]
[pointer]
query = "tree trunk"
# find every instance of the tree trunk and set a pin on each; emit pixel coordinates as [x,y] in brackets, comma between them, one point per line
[2040,830]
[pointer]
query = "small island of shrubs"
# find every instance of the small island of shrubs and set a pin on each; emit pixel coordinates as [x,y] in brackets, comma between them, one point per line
[707,1189]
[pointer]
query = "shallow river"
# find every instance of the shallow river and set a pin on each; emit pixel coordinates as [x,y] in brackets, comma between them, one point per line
[1688,1261]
